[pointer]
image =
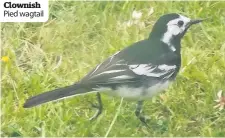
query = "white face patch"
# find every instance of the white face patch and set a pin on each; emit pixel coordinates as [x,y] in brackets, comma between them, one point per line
[174,29]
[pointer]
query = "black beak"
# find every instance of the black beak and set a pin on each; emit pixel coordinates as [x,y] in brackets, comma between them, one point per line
[195,21]
[191,23]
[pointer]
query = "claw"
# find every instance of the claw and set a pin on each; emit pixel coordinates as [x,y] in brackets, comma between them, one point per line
[95,116]
[98,106]
[144,120]
[141,117]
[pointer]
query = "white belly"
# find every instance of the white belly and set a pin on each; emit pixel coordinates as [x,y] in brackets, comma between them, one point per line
[139,93]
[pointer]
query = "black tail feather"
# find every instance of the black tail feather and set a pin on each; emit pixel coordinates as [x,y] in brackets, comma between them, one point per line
[54,95]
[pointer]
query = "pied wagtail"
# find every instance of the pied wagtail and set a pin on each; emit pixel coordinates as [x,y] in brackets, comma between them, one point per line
[136,72]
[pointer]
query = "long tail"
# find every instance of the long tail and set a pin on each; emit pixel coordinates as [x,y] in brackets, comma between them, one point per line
[55,95]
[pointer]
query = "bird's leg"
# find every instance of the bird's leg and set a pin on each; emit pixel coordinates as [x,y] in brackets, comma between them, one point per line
[98,106]
[140,116]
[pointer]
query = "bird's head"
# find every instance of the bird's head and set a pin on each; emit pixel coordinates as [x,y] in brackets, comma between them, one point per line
[172,27]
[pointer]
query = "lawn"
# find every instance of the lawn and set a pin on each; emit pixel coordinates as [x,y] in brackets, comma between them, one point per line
[38,57]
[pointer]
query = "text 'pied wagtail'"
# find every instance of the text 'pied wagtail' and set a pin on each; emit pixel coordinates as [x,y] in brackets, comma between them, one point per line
[136,72]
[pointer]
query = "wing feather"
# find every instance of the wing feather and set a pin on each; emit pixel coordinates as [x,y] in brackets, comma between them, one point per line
[131,65]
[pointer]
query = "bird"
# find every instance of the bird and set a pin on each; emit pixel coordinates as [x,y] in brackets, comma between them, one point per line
[138,72]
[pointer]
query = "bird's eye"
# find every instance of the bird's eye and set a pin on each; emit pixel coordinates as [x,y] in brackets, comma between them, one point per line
[180,23]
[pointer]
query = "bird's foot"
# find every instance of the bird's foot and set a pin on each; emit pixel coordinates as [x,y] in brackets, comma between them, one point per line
[98,106]
[144,119]
[98,111]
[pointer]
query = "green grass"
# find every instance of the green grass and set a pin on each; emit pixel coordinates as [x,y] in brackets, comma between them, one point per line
[82,34]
